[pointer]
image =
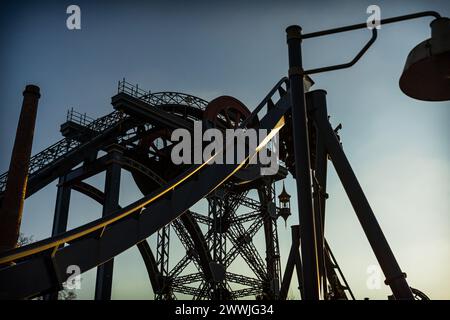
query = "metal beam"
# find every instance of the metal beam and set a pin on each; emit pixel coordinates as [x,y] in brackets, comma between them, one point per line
[294,260]
[320,187]
[103,284]
[395,278]
[142,110]
[60,218]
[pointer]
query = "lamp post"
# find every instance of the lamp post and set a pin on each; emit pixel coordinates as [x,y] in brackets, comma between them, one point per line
[302,166]
[428,62]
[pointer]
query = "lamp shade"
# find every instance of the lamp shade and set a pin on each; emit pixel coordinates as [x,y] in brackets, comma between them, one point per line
[426,75]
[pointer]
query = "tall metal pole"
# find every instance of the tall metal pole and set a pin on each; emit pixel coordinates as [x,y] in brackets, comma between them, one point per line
[16,185]
[311,281]
[320,187]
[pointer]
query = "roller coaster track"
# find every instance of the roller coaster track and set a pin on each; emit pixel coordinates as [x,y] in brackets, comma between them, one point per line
[41,267]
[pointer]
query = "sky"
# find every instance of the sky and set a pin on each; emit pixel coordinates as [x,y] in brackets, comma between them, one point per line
[398,146]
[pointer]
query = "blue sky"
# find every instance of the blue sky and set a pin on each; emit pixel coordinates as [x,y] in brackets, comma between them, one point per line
[398,146]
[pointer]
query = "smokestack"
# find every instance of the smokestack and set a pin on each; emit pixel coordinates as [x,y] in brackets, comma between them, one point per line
[16,185]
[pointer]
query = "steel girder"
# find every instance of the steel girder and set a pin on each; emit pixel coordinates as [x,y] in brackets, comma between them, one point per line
[267,196]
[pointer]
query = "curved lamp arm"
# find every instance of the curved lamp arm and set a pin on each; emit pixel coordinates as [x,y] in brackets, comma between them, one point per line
[368,44]
[364,25]
[348,64]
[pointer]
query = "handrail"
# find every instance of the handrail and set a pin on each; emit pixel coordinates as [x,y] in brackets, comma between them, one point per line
[80,118]
[160,98]
[55,151]
[264,101]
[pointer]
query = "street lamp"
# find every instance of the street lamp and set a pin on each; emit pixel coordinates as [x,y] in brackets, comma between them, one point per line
[427,70]
[428,62]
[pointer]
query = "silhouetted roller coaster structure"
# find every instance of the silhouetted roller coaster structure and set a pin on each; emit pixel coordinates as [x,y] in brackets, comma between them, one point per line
[136,137]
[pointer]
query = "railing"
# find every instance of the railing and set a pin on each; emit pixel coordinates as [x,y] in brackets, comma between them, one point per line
[105,122]
[44,157]
[63,146]
[160,98]
[79,118]
[268,100]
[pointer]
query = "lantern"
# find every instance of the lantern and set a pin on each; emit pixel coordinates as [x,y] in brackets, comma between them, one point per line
[285,204]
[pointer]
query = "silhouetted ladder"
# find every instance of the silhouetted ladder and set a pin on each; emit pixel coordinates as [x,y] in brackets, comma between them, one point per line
[335,275]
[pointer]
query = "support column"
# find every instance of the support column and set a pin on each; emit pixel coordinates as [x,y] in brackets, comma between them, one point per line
[320,188]
[294,260]
[266,195]
[103,283]
[302,166]
[395,278]
[60,217]
[162,259]
[61,207]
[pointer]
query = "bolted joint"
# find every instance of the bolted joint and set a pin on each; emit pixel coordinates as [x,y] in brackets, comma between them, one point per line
[388,281]
[295,71]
